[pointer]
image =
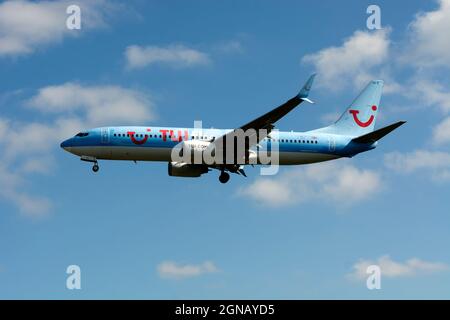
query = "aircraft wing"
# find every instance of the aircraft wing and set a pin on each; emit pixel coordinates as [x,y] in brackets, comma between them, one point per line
[267,120]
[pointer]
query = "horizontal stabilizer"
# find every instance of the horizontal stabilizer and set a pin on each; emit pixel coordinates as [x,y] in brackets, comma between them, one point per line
[378,134]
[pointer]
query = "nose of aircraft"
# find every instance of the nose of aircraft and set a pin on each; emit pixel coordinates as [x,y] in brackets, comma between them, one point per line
[66,144]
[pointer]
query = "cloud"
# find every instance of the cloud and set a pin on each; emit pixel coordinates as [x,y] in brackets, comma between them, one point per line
[28,25]
[351,63]
[39,164]
[172,270]
[393,269]
[100,104]
[68,108]
[173,55]
[431,93]
[12,189]
[441,133]
[40,139]
[338,183]
[429,45]
[437,163]
[231,46]
[19,159]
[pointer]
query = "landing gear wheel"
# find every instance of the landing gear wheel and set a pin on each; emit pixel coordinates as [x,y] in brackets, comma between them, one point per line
[224,177]
[95,168]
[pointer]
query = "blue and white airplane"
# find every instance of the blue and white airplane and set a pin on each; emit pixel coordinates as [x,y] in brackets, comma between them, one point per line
[351,134]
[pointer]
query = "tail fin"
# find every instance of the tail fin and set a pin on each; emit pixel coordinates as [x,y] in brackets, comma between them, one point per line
[360,117]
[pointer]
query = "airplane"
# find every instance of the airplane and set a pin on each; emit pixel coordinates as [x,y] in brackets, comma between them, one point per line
[350,135]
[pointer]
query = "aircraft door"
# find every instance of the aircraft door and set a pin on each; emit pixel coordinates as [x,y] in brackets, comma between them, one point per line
[105,135]
[332,144]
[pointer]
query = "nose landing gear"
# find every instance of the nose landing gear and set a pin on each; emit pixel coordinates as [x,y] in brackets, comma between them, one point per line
[95,167]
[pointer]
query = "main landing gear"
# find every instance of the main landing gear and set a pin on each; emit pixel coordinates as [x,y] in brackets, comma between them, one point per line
[95,167]
[224,177]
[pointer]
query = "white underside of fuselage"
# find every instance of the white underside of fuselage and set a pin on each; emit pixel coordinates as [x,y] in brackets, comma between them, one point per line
[164,154]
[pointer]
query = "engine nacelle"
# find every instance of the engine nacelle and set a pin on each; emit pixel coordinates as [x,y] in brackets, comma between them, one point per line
[192,152]
[180,169]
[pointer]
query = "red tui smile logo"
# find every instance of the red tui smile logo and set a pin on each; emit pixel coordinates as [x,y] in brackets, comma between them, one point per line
[135,141]
[361,123]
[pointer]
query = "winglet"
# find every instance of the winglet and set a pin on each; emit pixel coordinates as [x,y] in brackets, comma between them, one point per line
[307,100]
[303,94]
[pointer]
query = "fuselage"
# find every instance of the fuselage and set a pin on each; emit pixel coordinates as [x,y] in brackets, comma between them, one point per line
[156,144]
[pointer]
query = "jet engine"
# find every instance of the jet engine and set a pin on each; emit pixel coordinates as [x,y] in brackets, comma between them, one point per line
[180,169]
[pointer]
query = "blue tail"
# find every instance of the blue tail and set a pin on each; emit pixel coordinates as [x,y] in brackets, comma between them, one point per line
[360,117]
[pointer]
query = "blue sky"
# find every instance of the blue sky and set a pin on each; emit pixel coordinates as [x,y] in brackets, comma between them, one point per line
[308,232]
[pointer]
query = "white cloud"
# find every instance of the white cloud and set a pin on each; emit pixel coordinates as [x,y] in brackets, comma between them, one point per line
[173,55]
[338,183]
[430,43]
[71,107]
[18,159]
[435,163]
[231,46]
[441,133]
[28,25]
[431,93]
[40,139]
[417,160]
[4,125]
[172,270]
[353,62]
[12,190]
[393,269]
[101,104]
[40,164]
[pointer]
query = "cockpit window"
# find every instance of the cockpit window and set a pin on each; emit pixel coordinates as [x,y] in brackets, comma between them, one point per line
[82,134]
